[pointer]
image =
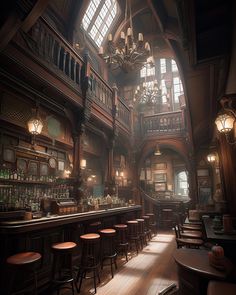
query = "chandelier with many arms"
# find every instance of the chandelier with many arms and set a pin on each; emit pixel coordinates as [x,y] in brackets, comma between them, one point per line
[126,53]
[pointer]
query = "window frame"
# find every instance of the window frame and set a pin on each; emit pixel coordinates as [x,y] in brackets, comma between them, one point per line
[92,26]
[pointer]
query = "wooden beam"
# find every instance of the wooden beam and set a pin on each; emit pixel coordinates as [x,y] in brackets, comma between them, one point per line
[9,28]
[34,14]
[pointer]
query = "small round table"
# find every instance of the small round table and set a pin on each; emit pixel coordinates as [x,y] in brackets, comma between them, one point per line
[194,271]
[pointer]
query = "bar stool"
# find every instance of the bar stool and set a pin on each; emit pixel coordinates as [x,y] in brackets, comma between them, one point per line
[147,230]
[167,219]
[133,233]
[141,233]
[89,261]
[62,272]
[24,262]
[94,227]
[153,224]
[108,249]
[122,241]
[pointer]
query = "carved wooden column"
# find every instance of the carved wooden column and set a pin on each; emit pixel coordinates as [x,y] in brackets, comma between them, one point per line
[193,192]
[110,185]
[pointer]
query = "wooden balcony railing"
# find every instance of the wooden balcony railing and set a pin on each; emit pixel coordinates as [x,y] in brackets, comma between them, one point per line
[55,53]
[123,113]
[164,123]
[101,91]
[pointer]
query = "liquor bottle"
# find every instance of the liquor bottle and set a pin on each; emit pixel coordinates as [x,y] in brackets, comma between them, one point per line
[15,175]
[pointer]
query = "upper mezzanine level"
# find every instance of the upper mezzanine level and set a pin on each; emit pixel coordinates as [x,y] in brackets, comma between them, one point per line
[44,54]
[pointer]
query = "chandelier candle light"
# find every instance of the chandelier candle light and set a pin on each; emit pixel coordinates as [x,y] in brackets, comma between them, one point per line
[127,54]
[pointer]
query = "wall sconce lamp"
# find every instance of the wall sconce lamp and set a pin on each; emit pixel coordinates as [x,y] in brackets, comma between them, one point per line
[226,118]
[157,152]
[35,124]
[211,158]
[83,164]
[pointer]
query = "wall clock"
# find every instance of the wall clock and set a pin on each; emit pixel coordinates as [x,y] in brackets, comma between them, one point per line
[52,162]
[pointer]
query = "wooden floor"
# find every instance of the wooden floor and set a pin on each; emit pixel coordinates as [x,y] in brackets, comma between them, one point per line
[144,274]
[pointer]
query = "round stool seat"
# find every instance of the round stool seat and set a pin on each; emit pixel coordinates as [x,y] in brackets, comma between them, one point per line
[64,246]
[95,223]
[108,231]
[120,226]
[140,219]
[24,258]
[91,236]
[146,217]
[24,263]
[132,222]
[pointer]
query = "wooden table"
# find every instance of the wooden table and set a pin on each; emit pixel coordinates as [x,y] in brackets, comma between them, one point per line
[226,240]
[194,271]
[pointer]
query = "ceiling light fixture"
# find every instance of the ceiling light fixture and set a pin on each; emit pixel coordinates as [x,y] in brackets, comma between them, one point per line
[127,54]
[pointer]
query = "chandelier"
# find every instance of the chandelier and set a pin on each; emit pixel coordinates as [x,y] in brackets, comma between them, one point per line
[127,53]
[148,93]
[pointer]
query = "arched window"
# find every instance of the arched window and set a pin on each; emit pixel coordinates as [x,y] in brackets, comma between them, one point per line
[181,183]
[98,19]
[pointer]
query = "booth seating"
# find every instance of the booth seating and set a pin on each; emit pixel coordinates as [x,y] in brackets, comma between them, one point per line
[108,249]
[62,271]
[220,288]
[90,259]
[25,263]
[122,238]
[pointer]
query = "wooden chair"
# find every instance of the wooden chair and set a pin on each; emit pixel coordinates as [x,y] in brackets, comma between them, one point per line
[186,242]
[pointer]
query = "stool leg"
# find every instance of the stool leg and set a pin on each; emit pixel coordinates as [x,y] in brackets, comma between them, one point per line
[35,283]
[112,275]
[94,280]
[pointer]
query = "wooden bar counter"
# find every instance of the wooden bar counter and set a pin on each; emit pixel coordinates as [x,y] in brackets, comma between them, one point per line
[39,234]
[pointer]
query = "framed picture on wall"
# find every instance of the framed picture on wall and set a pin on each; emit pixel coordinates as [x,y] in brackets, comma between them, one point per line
[202,172]
[21,164]
[159,177]
[160,166]
[160,186]
[33,168]
[61,165]
[204,195]
[9,155]
[204,181]
[148,174]
[43,169]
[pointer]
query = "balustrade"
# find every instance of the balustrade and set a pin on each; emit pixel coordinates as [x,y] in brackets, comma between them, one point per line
[163,123]
[123,113]
[56,53]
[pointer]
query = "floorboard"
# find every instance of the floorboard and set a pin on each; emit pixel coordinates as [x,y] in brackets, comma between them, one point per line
[144,274]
